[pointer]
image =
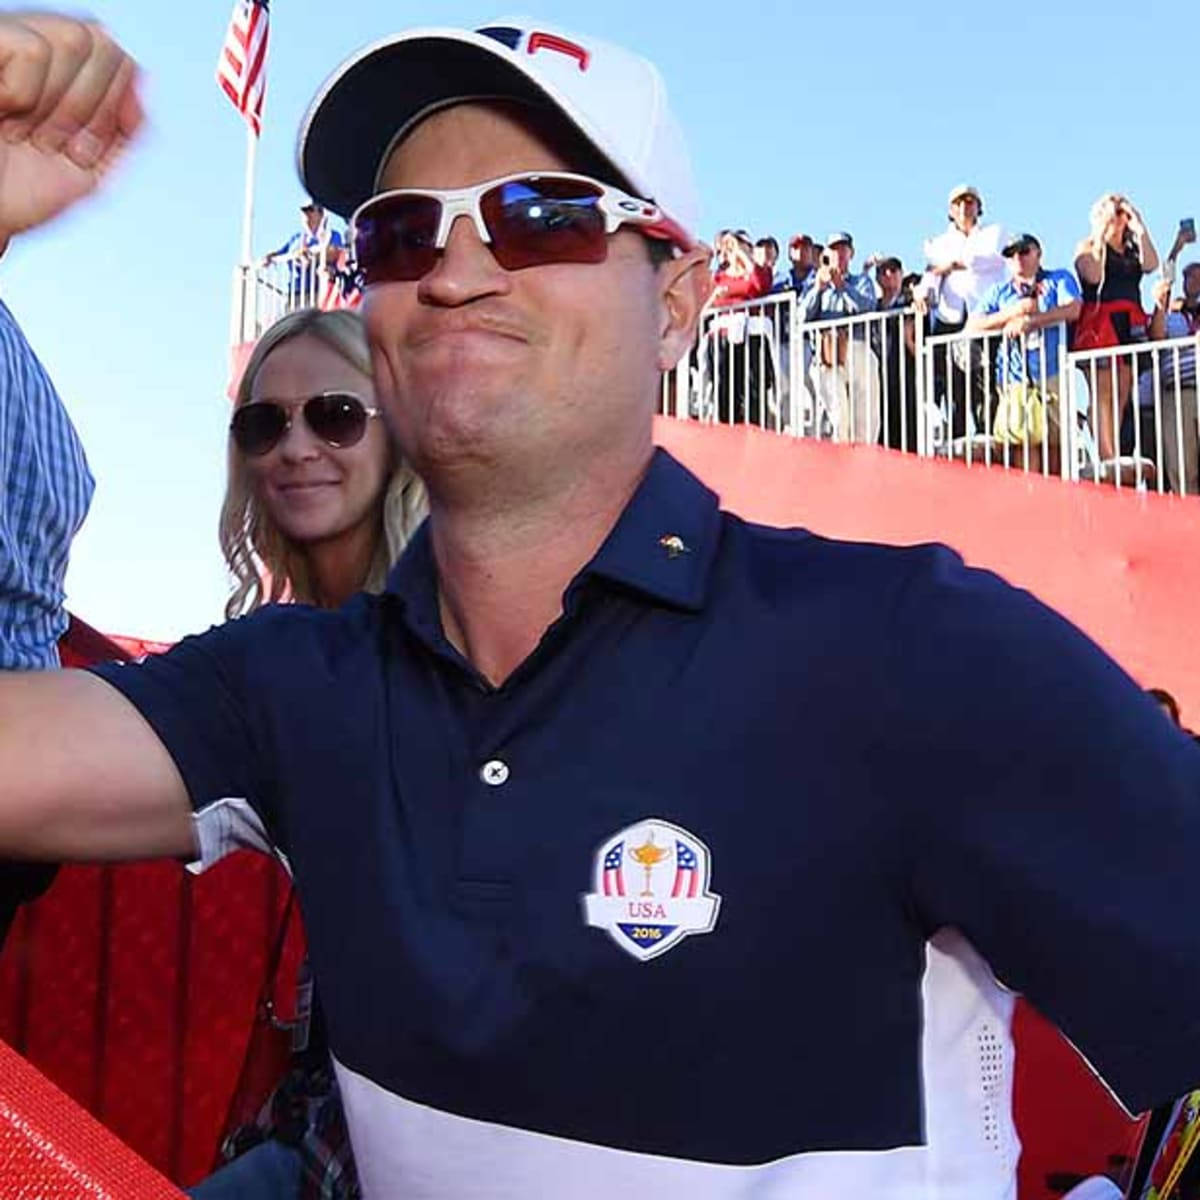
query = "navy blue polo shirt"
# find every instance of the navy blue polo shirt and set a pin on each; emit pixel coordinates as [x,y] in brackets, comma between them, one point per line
[713,894]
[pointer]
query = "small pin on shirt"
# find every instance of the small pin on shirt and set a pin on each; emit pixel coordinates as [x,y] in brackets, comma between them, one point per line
[673,544]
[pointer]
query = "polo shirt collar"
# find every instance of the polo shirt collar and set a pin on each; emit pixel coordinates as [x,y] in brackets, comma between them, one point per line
[663,545]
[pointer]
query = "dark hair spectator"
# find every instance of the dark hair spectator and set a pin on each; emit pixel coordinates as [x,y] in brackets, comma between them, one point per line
[894,343]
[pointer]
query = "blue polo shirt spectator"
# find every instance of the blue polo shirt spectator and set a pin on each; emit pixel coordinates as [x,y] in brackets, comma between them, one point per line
[575,937]
[47,489]
[1031,307]
[314,236]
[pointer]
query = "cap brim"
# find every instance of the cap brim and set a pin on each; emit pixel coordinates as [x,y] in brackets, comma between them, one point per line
[371,100]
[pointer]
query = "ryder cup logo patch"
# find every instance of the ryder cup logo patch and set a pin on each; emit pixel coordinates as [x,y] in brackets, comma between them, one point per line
[650,888]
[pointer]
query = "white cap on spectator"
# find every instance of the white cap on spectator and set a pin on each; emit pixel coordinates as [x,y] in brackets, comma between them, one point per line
[615,99]
[964,189]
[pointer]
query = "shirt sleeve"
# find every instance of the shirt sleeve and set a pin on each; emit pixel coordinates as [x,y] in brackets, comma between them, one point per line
[989,302]
[203,700]
[1066,290]
[810,301]
[1056,821]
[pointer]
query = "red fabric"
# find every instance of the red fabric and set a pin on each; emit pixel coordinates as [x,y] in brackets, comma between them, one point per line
[52,1150]
[742,287]
[1095,329]
[133,987]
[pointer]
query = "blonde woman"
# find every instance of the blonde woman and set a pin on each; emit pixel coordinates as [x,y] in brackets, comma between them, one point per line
[317,508]
[317,505]
[1110,263]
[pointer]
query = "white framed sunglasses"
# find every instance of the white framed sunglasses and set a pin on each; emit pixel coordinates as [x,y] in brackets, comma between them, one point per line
[526,220]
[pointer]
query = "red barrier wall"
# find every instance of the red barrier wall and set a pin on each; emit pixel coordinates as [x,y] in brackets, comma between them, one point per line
[1124,567]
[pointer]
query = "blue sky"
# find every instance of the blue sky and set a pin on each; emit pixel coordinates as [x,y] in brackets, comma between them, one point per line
[800,117]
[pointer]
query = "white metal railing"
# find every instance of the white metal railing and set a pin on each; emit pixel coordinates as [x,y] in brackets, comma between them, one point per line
[998,400]
[1023,403]
[1145,392]
[267,291]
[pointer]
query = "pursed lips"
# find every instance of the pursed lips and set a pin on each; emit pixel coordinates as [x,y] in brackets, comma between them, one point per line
[432,330]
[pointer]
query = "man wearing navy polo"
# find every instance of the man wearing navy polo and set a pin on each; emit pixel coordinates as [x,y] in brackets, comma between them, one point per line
[643,851]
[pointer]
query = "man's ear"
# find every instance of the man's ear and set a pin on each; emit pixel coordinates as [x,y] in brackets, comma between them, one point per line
[686,285]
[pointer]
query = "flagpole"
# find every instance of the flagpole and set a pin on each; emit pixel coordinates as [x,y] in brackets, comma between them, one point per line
[244,282]
[248,205]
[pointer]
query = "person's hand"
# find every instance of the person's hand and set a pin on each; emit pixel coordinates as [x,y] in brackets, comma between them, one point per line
[921,305]
[1027,304]
[1185,236]
[837,276]
[1161,293]
[824,274]
[68,108]
[1018,326]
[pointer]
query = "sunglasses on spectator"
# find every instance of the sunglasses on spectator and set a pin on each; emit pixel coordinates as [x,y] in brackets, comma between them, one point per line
[339,419]
[526,220]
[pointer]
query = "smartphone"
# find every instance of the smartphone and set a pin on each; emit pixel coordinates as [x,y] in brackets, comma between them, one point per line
[1187,225]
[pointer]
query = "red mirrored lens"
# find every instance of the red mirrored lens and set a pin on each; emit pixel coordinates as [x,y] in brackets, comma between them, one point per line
[539,220]
[394,238]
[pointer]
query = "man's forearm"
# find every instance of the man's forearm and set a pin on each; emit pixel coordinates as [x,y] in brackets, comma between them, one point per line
[988,322]
[1063,314]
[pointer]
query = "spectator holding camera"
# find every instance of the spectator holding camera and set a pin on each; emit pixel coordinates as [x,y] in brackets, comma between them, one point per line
[1029,309]
[738,275]
[743,369]
[1187,306]
[1110,263]
[844,370]
[1185,236]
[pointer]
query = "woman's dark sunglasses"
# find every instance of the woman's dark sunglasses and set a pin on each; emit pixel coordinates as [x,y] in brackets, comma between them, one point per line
[338,418]
[525,220]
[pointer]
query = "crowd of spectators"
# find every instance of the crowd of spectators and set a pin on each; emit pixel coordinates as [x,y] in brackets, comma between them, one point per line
[990,290]
[1006,307]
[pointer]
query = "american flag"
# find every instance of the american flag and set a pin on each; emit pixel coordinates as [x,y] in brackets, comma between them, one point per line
[686,882]
[242,67]
[614,878]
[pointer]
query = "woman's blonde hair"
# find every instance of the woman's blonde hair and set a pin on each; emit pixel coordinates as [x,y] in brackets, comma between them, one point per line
[266,565]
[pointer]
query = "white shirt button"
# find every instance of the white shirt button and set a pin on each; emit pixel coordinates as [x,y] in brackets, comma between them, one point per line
[494,772]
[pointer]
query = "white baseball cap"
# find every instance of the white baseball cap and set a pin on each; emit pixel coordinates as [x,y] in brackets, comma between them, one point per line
[615,99]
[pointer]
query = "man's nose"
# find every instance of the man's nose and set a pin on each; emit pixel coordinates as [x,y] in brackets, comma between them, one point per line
[465,270]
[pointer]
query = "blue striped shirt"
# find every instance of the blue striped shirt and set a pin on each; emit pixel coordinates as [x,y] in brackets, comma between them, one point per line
[47,491]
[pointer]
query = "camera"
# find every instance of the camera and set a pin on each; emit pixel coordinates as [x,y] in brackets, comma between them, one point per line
[827,258]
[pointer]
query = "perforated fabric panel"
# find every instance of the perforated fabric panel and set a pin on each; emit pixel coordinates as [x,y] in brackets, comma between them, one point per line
[133,988]
[50,1149]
